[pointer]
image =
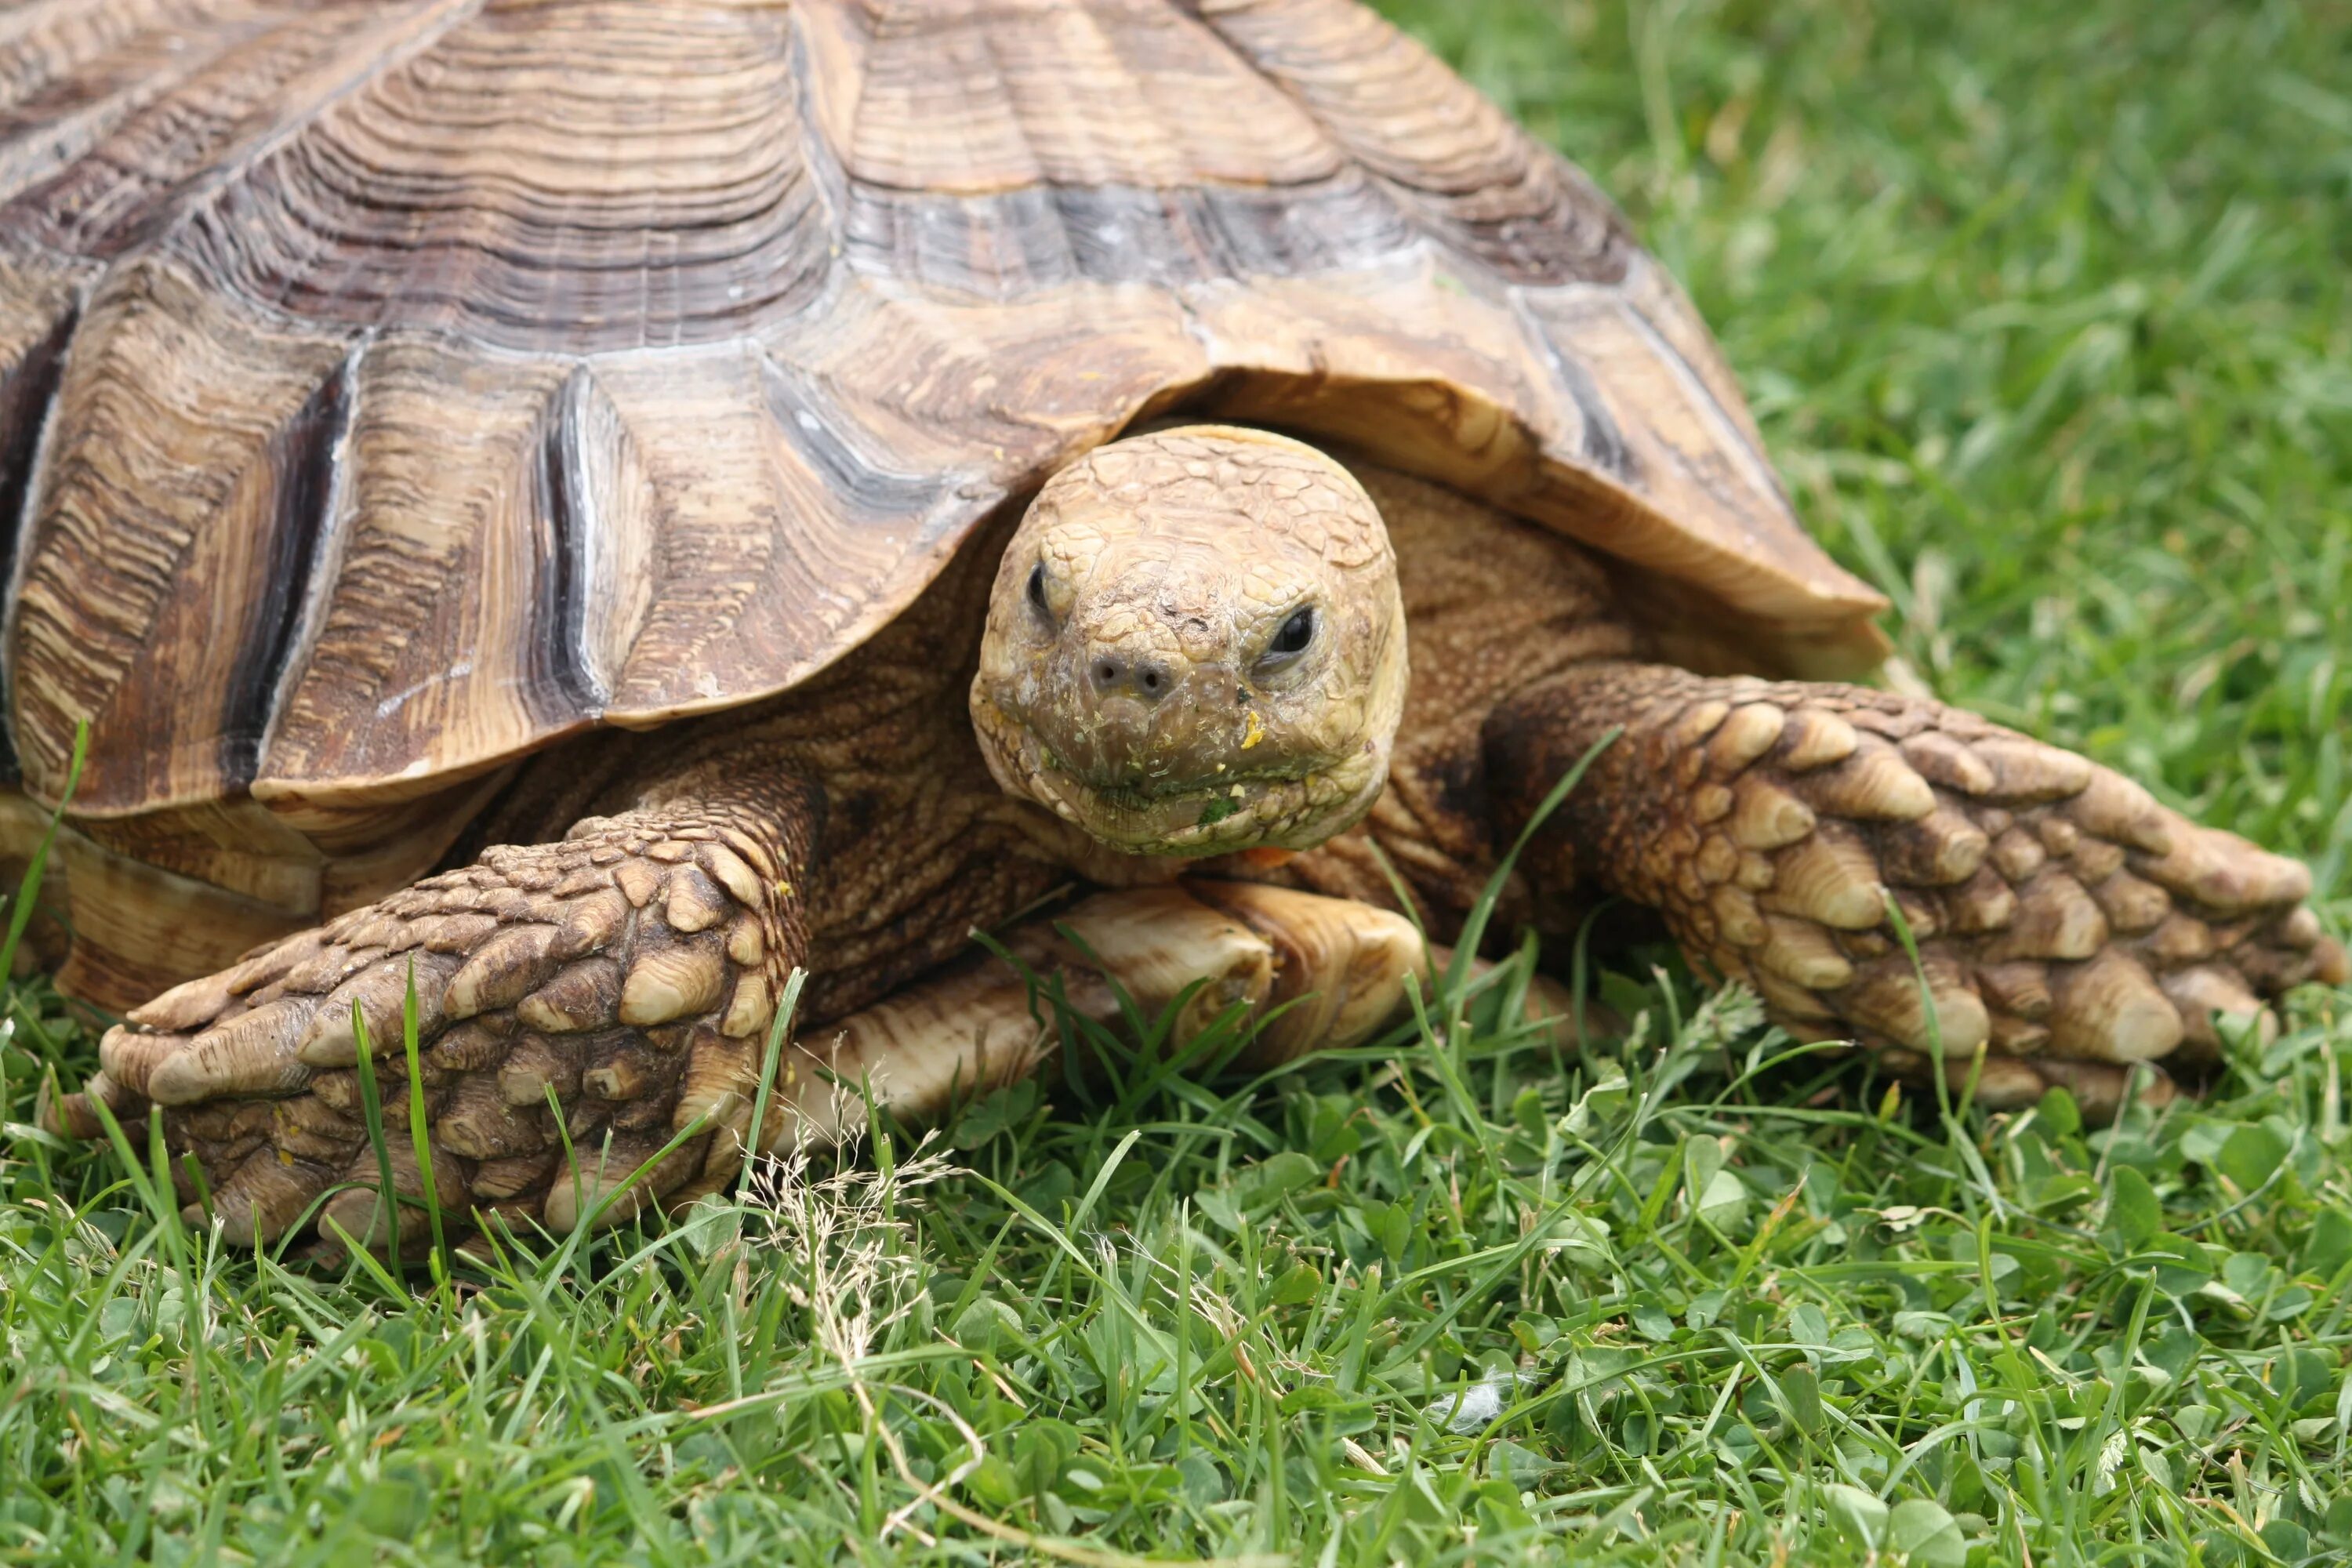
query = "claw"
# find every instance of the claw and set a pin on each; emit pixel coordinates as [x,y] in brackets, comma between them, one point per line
[2003,1083]
[2109,1009]
[1940,849]
[2227,875]
[2056,918]
[263,1198]
[2131,905]
[735,875]
[381,995]
[1752,730]
[185,1009]
[502,971]
[1792,1003]
[585,995]
[671,983]
[1815,739]
[253,1053]
[2115,808]
[1888,1000]
[1765,816]
[2198,993]
[1802,954]
[606,1169]
[1942,760]
[357,1212]
[74,1115]
[695,901]
[2299,930]
[1832,878]
[2025,770]
[2272,967]
[591,925]
[1875,785]
[129,1058]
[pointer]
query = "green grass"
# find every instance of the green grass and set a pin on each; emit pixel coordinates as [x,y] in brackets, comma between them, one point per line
[2044,310]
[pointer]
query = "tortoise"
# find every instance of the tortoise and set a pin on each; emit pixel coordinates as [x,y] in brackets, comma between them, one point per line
[584,509]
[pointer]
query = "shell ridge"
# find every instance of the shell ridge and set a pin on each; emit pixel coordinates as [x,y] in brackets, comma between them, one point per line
[305,453]
[346,218]
[152,513]
[341,71]
[1731,438]
[51,147]
[823,162]
[326,558]
[569,512]
[821,431]
[1601,441]
[1545,203]
[28,405]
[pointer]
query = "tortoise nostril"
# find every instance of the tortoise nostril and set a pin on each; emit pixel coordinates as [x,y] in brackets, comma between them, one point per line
[1114,676]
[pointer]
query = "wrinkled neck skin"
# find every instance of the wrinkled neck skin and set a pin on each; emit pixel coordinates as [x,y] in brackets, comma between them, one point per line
[1195,645]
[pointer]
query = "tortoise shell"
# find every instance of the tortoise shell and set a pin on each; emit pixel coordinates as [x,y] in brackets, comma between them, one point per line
[390,389]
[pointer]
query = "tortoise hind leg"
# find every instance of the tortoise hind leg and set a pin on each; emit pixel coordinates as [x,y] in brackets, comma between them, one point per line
[2064,921]
[621,979]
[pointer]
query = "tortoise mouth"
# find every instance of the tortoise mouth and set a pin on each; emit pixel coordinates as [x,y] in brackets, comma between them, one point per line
[1293,806]
[1132,793]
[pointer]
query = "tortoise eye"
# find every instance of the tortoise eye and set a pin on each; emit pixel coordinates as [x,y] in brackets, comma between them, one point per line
[1037,593]
[1291,639]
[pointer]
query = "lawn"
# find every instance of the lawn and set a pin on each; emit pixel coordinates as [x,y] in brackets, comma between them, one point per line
[2044,310]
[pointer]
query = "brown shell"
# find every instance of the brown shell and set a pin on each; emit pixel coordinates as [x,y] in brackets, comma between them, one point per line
[390,387]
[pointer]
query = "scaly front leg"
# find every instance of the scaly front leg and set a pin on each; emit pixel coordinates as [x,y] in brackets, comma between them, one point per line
[2064,920]
[1309,972]
[630,971]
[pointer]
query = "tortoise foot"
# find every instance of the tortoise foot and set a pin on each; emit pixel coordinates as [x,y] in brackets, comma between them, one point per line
[598,995]
[2065,924]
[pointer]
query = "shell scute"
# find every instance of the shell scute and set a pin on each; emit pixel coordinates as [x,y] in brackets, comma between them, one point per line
[408,450]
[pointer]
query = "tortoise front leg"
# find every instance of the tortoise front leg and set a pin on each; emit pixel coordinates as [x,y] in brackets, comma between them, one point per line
[1318,973]
[2063,918]
[629,971]
[1310,972]
[632,971]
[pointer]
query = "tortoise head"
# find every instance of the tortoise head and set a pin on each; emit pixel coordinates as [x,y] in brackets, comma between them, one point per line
[1195,644]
